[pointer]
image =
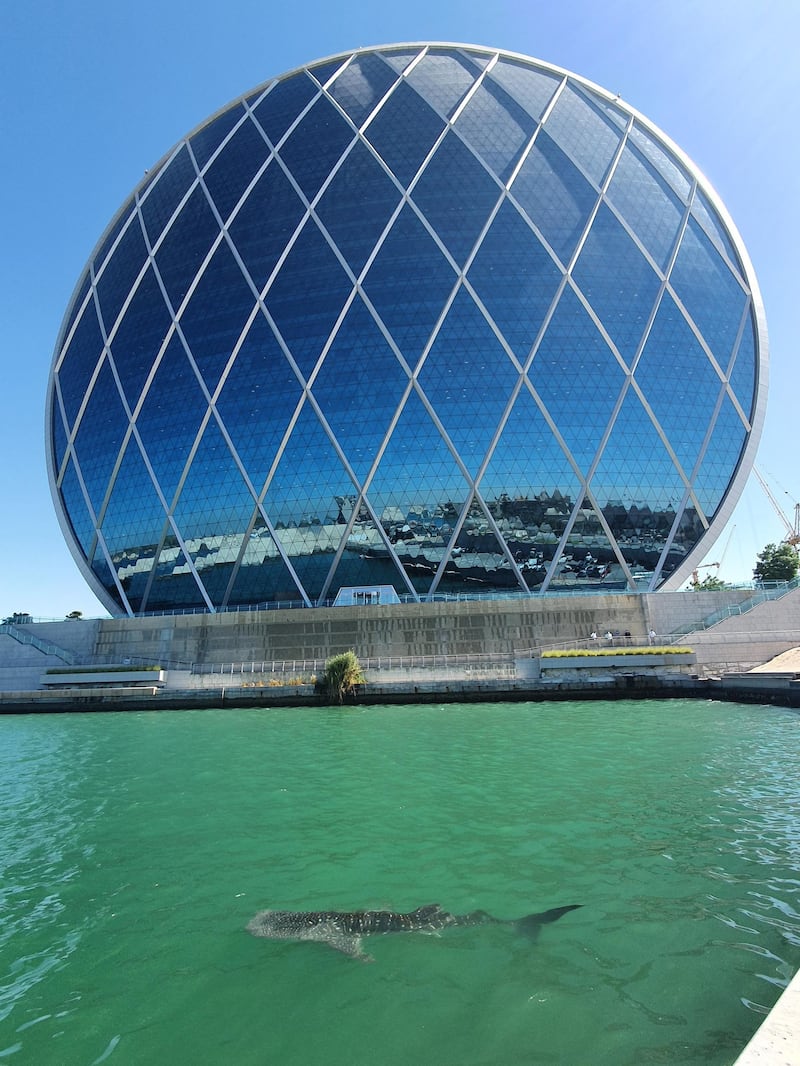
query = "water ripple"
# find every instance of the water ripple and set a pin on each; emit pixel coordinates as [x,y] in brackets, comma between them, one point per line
[136,847]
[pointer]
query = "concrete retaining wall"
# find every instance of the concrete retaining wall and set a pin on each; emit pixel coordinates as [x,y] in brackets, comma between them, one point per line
[509,628]
[457,628]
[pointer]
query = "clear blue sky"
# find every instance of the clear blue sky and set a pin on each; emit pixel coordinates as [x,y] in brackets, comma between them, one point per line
[95,92]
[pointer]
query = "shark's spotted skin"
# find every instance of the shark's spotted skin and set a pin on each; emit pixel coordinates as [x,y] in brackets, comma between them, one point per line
[343,930]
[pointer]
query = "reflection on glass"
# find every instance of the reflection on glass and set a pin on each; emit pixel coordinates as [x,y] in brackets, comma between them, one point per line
[454,323]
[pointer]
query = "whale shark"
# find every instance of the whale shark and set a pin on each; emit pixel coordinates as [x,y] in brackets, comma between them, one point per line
[343,930]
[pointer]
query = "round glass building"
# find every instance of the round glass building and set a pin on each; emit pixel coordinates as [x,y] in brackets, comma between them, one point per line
[435,317]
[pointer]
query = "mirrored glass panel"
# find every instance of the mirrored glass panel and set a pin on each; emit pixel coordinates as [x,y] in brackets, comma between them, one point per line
[170,417]
[358,413]
[434,317]
[361,85]
[100,435]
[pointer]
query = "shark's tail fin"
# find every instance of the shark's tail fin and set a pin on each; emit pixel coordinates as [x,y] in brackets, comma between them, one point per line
[532,923]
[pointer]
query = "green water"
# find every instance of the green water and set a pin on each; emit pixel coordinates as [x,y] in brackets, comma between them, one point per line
[134,849]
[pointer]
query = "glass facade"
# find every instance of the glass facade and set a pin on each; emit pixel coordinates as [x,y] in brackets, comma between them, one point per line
[439,318]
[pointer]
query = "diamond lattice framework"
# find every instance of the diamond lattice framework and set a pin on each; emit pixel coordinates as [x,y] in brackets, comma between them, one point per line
[430,316]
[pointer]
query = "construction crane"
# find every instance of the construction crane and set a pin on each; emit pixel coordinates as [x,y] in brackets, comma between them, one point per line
[792,528]
[707,566]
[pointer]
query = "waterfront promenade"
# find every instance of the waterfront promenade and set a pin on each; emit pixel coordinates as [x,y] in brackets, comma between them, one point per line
[741,641]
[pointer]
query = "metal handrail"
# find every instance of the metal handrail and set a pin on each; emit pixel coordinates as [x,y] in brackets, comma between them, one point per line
[46,647]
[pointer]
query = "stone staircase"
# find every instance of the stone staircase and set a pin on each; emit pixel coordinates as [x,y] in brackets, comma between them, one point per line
[756,632]
[27,651]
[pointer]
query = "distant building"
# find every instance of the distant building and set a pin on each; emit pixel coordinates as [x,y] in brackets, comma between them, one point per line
[434,318]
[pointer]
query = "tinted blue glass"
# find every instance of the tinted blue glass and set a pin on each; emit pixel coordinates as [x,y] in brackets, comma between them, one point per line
[314,147]
[262,575]
[283,103]
[258,399]
[103,574]
[361,85]
[641,533]
[120,273]
[313,452]
[76,304]
[216,314]
[163,197]
[417,493]
[75,505]
[216,569]
[59,437]
[496,127]
[185,246]
[479,59]
[577,377]
[307,297]
[678,382]
[214,503]
[172,583]
[714,227]
[721,458]
[312,569]
[443,78]
[584,132]
[262,227]
[604,107]
[308,480]
[457,195]
[408,283]
[404,131]
[589,559]
[468,379]
[622,298]
[357,205]
[134,519]
[515,278]
[105,247]
[365,561]
[532,89]
[206,141]
[531,487]
[170,417]
[555,195]
[646,203]
[79,361]
[399,58]
[663,161]
[235,167]
[323,72]
[635,466]
[141,333]
[479,559]
[357,409]
[708,291]
[100,436]
[743,375]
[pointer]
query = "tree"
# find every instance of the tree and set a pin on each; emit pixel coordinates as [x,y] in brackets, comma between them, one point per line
[777,562]
[710,583]
[75,615]
[342,674]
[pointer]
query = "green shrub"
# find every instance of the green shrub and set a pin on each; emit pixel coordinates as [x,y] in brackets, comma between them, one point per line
[342,674]
[668,649]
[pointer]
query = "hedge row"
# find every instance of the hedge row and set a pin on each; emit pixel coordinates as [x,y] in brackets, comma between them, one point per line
[600,652]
